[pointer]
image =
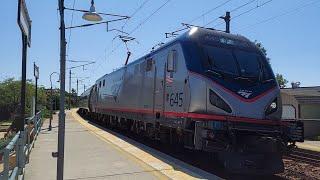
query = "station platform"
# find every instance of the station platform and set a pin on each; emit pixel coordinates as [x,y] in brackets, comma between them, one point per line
[92,152]
[309,145]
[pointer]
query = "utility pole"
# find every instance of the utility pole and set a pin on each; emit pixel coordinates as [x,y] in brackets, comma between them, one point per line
[90,16]
[69,89]
[61,130]
[84,87]
[227,19]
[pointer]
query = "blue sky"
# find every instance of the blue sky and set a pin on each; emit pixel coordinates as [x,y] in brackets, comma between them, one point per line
[292,40]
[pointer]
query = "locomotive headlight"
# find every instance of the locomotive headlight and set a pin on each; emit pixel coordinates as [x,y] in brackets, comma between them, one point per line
[272,107]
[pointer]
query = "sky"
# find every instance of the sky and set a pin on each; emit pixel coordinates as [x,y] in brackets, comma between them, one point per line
[288,29]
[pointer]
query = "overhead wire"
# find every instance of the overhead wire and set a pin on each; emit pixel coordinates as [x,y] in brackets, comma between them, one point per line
[140,24]
[256,7]
[247,11]
[209,11]
[291,11]
[135,12]
[149,17]
[70,31]
[202,15]
[194,19]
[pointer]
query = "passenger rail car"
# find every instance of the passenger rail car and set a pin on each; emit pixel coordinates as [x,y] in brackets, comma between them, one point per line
[206,90]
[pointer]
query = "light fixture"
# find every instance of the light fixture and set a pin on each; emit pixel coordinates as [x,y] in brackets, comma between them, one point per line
[193,30]
[92,15]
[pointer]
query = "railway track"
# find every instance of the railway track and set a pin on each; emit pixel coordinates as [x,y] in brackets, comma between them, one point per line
[305,156]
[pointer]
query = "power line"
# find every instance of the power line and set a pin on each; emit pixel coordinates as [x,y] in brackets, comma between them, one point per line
[141,23]
[70,31]
[135,12]
[291,11]
[149,17]
[243,5]
[173,33]
[209,11]
[256,7]
[233,10]
[247,11]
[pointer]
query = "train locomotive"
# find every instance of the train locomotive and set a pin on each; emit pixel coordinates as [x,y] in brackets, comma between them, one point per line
[206,90]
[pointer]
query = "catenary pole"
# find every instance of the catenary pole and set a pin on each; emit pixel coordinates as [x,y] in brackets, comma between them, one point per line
[61,130]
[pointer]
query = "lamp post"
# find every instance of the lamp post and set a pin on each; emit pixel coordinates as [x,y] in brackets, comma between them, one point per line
[36,75]
[70,74]
[91,15]
[51,107]
[61,130]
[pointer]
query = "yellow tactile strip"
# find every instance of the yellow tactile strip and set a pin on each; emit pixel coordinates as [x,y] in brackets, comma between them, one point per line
[160,169]
[308,147]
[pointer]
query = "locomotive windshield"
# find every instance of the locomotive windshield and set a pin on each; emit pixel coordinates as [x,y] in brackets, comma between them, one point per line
[236,63]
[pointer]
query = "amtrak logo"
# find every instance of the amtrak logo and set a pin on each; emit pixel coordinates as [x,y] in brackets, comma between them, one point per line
[245,93]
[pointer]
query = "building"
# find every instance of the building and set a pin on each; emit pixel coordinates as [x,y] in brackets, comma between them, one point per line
[303,103]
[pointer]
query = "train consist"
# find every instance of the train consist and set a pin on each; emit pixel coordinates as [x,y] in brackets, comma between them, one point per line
[207,91]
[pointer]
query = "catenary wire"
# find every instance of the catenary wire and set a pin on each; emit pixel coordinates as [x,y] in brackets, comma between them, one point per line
[70,31]
[247,11]
[291,11]
[140,24]
[135,12]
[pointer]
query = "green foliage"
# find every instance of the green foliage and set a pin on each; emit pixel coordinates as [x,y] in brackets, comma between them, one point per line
[279,77]
[10,95]
[281,80]
[263,49]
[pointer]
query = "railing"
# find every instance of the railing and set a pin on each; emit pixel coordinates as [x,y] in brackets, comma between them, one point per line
[20,147]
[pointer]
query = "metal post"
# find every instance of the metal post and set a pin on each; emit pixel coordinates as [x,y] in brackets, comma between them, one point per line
[51,103]
[77,86]
[36,90]
[227,19]
[77,92]
[84,88]
[20,153]
[6,166]
[61,131]
[69,89]
[20,124]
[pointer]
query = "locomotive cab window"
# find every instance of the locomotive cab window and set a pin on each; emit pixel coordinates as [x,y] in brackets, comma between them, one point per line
[171,61]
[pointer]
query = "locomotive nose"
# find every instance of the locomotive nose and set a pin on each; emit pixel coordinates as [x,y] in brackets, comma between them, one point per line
[266,105]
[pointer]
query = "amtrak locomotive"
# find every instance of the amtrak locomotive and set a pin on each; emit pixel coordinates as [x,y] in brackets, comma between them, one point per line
[206,90]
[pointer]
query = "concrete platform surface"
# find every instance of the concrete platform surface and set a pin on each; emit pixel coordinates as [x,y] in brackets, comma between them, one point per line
[310,145]
[92,152]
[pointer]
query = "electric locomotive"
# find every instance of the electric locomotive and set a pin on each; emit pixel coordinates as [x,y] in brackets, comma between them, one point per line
[206,90]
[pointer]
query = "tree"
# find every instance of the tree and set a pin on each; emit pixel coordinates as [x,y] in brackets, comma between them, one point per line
[281,80]
[279,77]
[10,95]
[261,47]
